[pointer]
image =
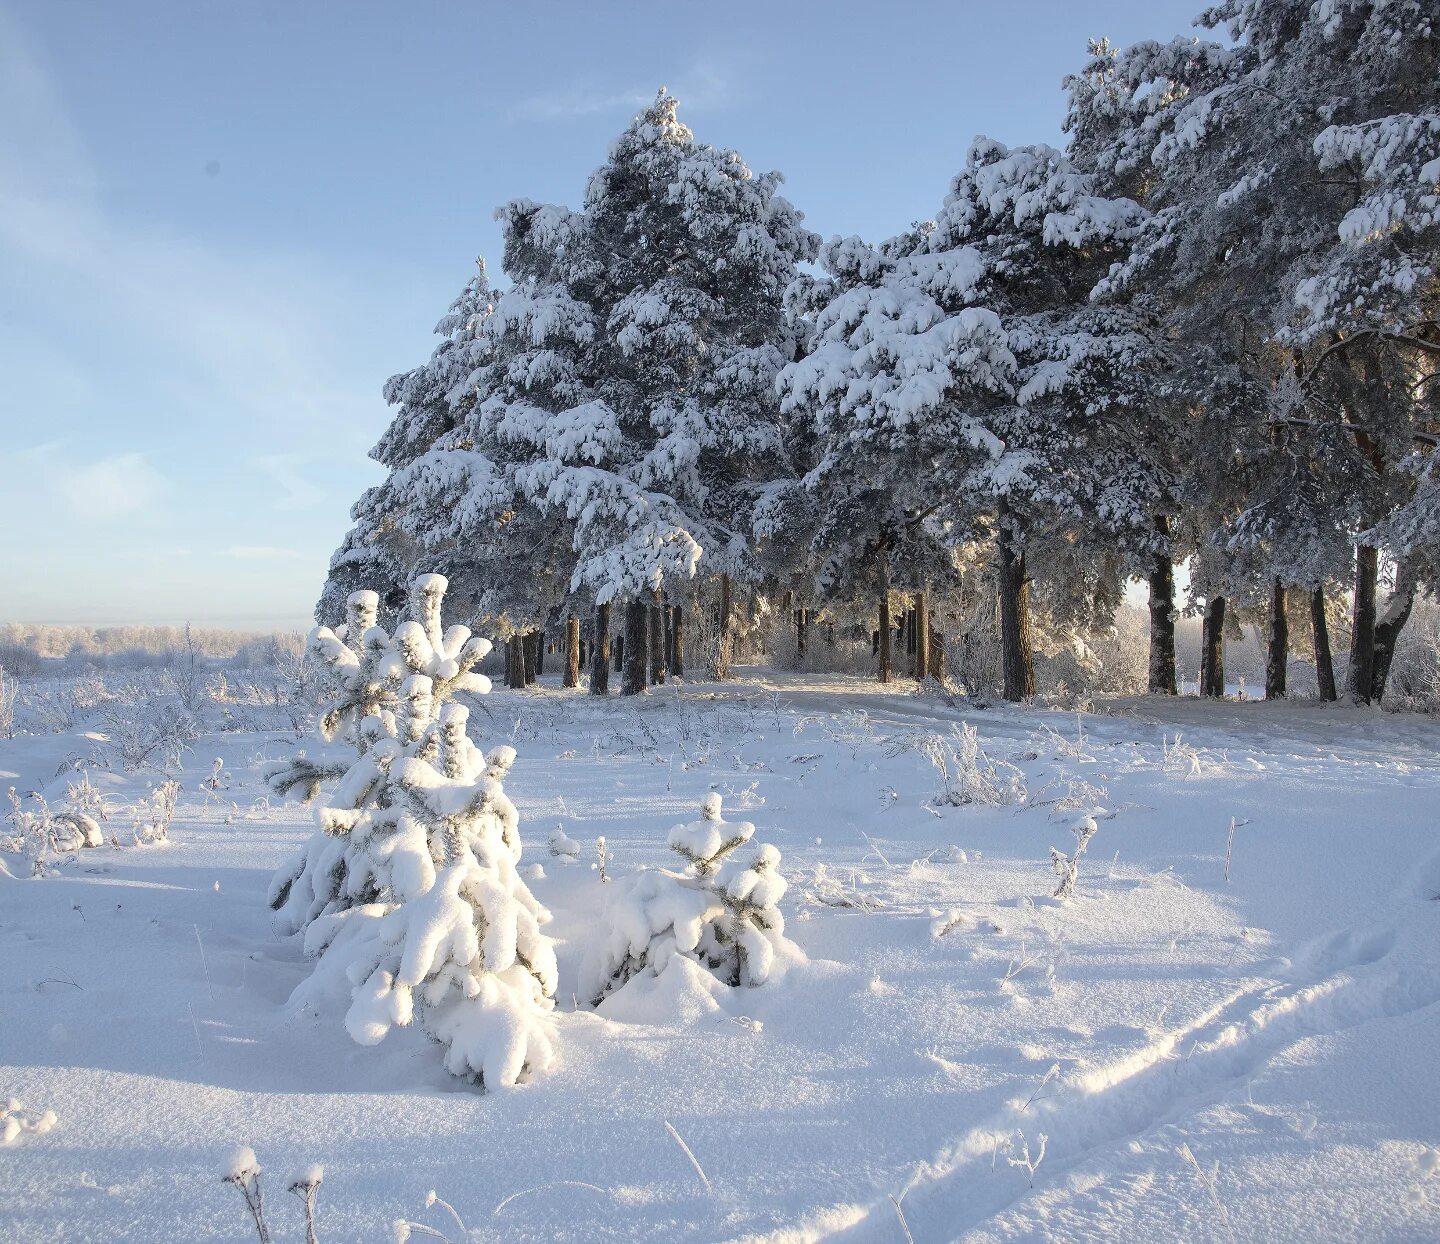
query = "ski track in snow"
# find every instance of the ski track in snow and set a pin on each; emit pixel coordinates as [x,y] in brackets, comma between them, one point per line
[1278,1025]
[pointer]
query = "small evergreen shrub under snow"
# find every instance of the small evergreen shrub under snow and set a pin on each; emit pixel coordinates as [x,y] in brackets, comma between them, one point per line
[408,894]
[721,912]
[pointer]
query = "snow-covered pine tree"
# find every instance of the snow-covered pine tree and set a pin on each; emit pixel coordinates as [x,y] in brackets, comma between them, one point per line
[408,893]
[393,531]
[722,911]
[1318,120]
[622,408]
[962,374]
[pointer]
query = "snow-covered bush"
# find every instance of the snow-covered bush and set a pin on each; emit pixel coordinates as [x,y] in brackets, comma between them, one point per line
[721,912]
[17,1121]
[148,730]
[152,816]
[968,774]
[38,832]
[409,893]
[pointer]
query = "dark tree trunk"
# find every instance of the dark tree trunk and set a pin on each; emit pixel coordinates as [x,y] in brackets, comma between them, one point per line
[539,654]
[1320,629]
[677,641]
[886,669]
[515,662]
[1016,654]
[528,644]
[1162,618]
[1277,659]
[874,643]
[937,655]
[722,654]
[1360,678]
[922,637]
[1212,649]
[572,651]
[667,614]
[600,650]
[802,634]
[619,652]
[1388,627]
[637,648]
[657,640]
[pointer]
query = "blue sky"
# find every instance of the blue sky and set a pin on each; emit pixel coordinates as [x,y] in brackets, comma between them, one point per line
[224,224]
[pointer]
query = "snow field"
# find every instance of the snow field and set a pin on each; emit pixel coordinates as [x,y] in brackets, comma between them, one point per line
[1281,1025]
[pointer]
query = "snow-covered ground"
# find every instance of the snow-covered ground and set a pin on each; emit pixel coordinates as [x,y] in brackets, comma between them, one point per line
[1251,1059]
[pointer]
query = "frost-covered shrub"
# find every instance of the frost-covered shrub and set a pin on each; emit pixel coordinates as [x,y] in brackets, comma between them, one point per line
[9,695]
[968,774]
[721,912]
[38,833]
[153,815]
[146,730]
[1067,867]
[1415,671]
[408,893]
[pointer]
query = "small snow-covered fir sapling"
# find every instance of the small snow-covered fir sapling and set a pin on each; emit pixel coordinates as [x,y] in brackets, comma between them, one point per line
[364,669]
[721,912]
[409,893]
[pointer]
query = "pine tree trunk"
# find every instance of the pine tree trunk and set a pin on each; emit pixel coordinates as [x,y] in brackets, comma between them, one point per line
[922,637]
[1360,677]
[874,643]
[572,651]
[1212,649]
[886,670]
[620,651]
[528,645]
[637,648]
[667,613]
[600,652]
[1388,627]
[657,640]
[515,663]
[802,634]
[1324,666]
[539,654]
[1017,657]
[1277,660]
[677,641]
[937,654]
[1162,618]
[722,655]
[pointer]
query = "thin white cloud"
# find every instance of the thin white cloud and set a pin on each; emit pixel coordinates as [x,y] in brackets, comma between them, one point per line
[109,487]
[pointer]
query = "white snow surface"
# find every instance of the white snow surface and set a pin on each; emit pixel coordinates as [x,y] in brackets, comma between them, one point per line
[1280,1028]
